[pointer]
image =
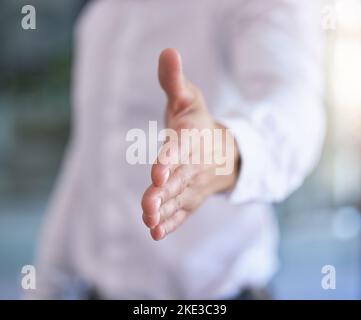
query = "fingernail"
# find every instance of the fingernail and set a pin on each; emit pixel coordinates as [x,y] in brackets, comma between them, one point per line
[166,176]
[161,233]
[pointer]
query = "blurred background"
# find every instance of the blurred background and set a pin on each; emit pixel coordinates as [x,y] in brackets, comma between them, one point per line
[320,223]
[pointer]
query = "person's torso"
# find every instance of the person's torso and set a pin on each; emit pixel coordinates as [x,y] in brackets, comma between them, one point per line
[222,246]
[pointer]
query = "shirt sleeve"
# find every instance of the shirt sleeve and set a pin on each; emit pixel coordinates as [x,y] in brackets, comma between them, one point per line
[54,273]
[274,57]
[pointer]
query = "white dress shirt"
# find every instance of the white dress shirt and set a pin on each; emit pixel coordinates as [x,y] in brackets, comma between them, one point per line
[258,65]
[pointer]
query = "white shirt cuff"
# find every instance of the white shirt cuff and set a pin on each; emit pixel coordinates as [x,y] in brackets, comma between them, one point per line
[253,161]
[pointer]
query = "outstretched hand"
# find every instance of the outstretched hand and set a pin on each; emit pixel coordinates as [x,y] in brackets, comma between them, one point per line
[179,187]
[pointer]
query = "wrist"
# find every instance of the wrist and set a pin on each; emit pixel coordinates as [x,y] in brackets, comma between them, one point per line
[232,156]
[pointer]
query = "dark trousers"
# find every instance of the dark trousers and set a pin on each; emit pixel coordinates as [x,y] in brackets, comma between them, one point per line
[246,294]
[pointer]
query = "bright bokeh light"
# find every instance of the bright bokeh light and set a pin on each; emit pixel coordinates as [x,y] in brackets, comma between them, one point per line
[345,99]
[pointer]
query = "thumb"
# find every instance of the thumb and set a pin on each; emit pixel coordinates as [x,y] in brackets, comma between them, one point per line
[171,77]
